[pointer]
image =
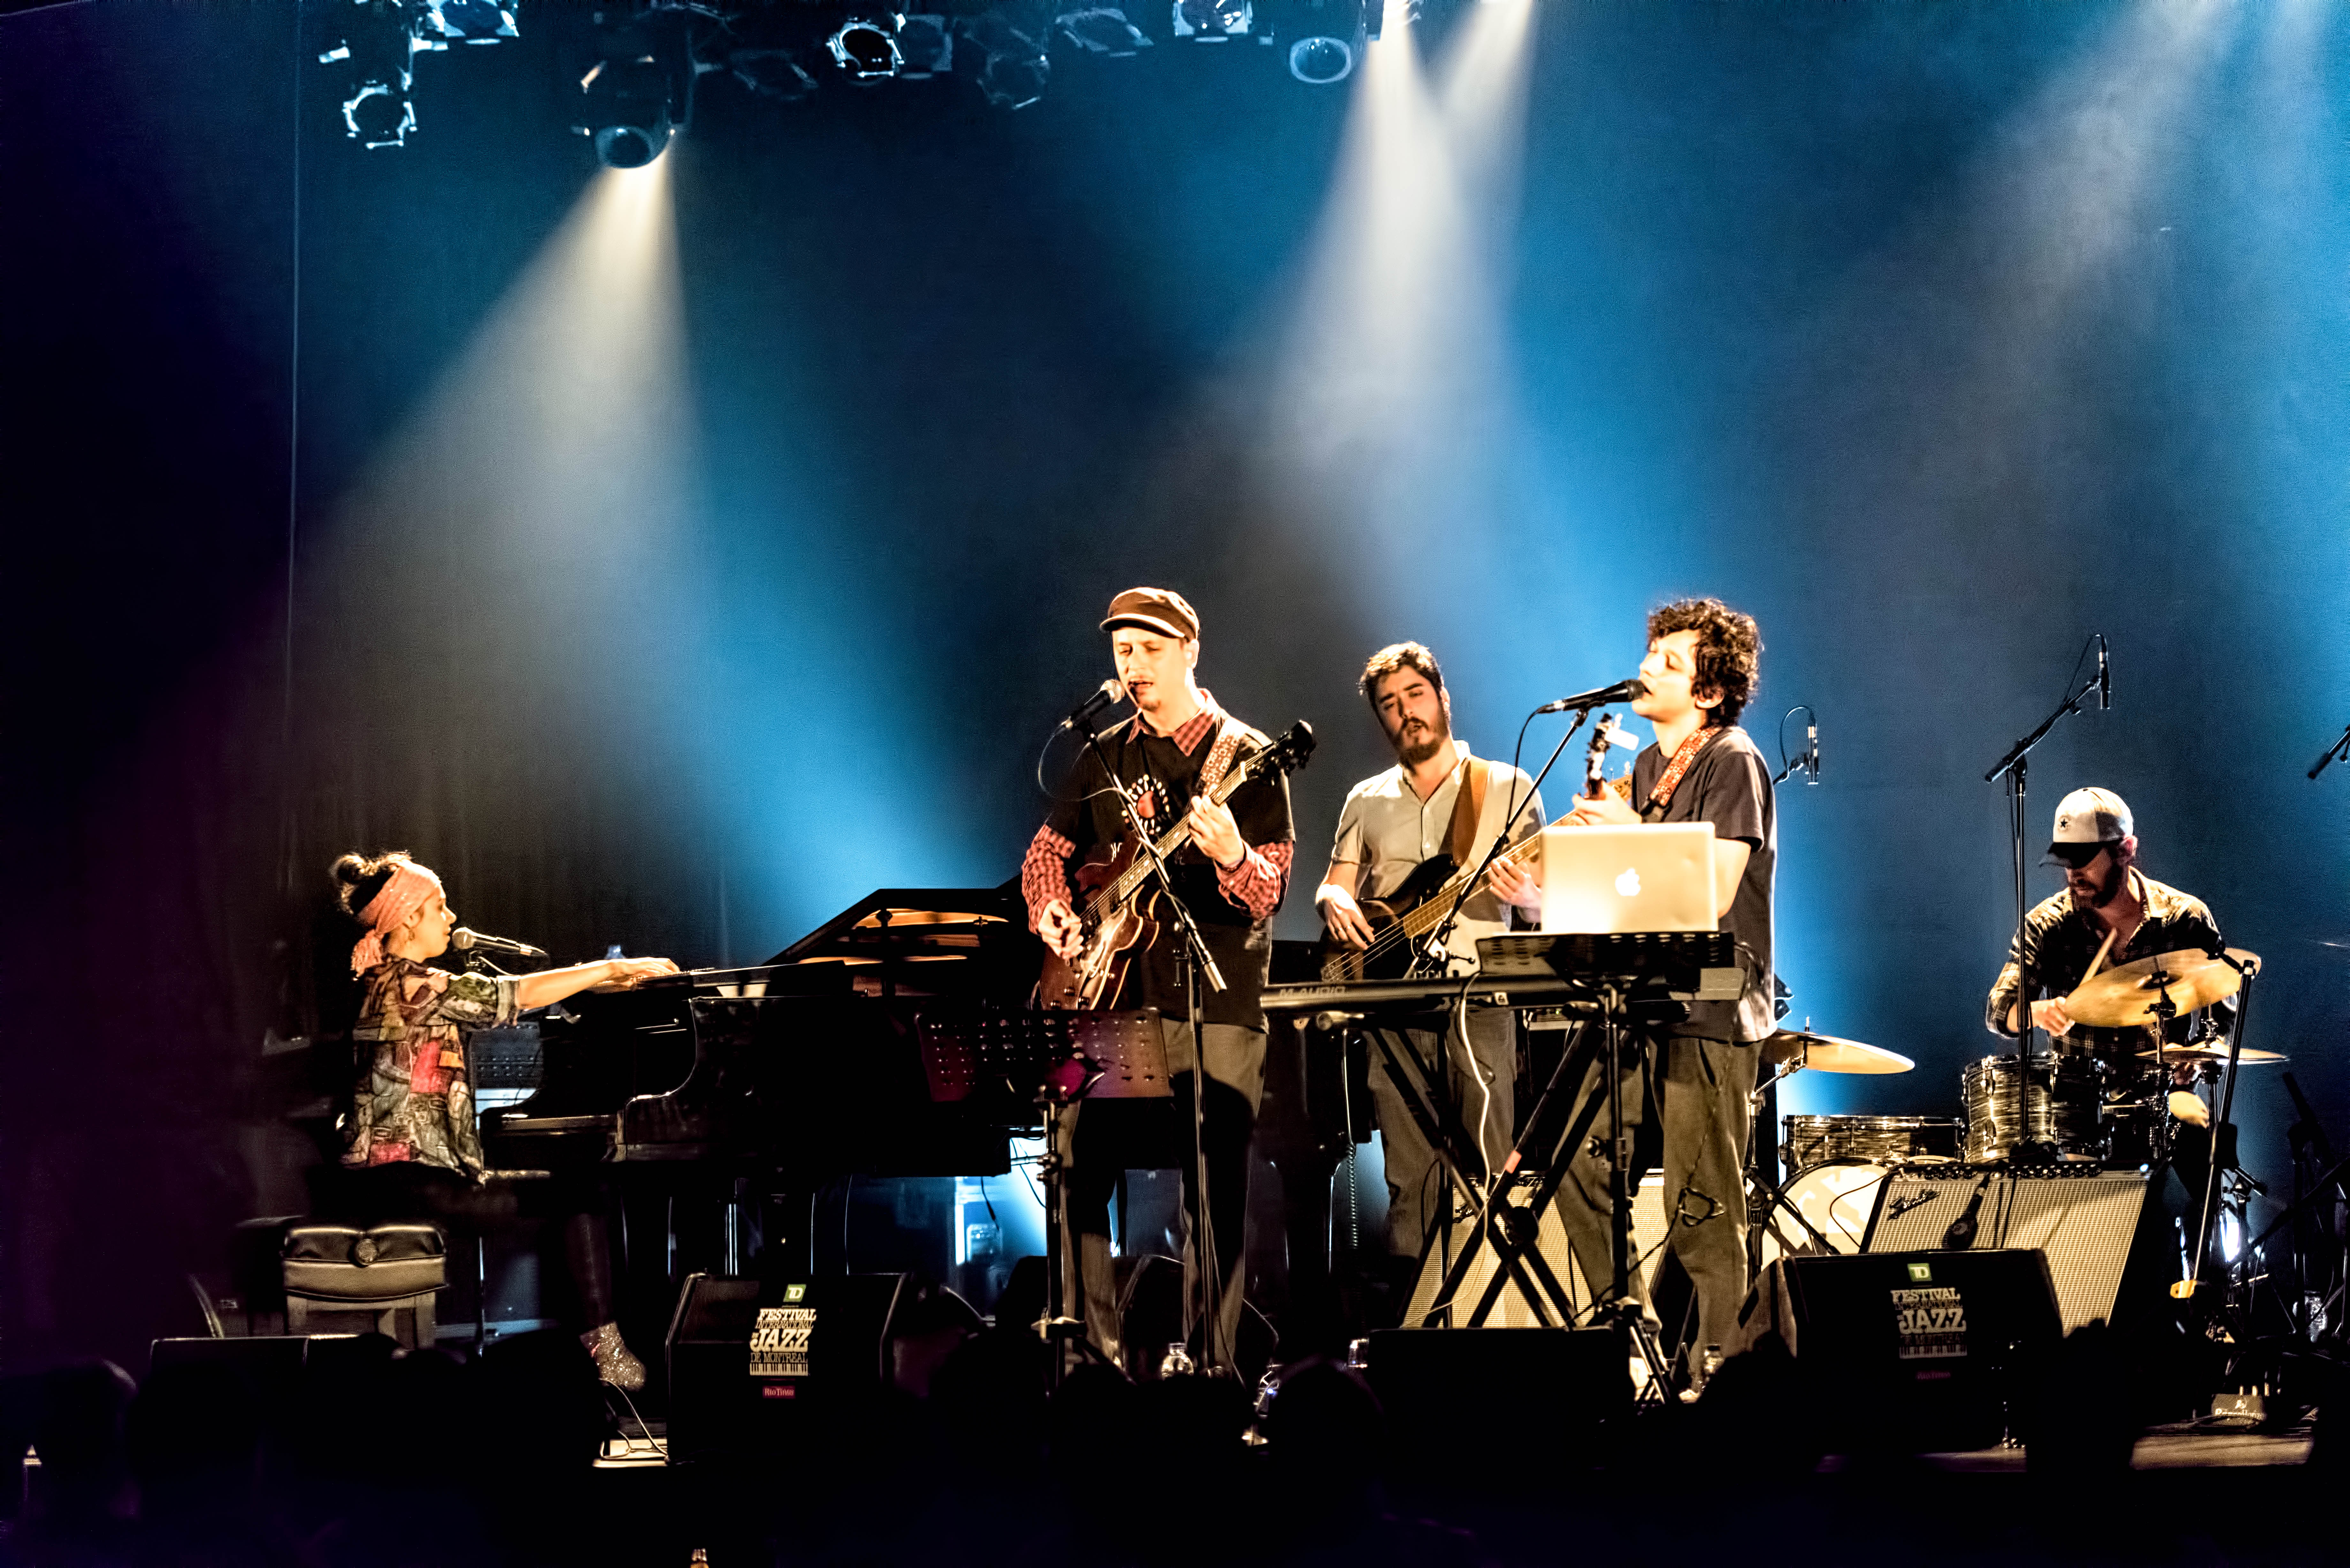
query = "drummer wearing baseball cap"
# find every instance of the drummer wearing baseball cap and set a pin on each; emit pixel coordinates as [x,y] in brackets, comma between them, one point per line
[2105,896]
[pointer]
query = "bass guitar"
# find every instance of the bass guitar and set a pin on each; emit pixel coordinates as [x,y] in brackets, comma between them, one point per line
[1401,919]
[1119,895]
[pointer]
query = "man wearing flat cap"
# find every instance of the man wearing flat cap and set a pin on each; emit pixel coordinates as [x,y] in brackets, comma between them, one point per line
[1167,759]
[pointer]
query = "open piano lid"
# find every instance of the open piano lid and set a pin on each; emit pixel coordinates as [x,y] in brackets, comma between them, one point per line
[917,924]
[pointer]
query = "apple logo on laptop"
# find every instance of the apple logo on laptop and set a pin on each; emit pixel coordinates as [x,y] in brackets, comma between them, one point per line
[1628,882]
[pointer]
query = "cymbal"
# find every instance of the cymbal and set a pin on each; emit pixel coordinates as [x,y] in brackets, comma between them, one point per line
[2122,996]
[1828,1054]
[2247,1057]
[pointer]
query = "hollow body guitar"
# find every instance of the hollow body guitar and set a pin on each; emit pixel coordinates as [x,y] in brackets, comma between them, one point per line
[1401,921]
[1120,896]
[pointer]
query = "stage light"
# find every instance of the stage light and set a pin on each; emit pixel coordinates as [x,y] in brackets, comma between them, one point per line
[1321,61]
[1101,30]
[380,114]
[627,113]
[1214,21]
[1325,37]
[468,22]
[867,49]
[380,45]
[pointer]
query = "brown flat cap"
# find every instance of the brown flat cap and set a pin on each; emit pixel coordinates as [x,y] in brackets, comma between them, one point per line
[1160,609]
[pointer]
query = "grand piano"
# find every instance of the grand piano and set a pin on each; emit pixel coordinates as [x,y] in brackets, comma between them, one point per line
[721,1087]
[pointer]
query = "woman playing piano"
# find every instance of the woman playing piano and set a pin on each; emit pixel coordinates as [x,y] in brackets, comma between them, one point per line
[410,1137]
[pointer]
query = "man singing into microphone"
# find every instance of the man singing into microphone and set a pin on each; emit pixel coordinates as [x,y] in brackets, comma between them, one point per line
[1231,876]
[1701,672]
[1436,800]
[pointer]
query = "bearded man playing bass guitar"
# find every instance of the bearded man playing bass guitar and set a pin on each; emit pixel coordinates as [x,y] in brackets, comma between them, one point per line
[1402,835]
[1230,874]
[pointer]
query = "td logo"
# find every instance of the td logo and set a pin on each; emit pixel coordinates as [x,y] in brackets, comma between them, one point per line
[1628,882]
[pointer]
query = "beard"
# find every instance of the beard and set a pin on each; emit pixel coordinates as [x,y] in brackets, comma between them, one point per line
[1417,742]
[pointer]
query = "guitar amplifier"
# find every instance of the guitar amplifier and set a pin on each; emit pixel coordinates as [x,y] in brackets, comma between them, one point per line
[2091,1228]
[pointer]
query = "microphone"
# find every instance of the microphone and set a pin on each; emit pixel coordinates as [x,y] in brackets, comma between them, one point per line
[1107,692]
[1812,734]
[1622,691]
[463,939]
[2105,677]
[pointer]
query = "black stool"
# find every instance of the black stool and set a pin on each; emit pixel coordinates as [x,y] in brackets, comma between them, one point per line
[381,1270]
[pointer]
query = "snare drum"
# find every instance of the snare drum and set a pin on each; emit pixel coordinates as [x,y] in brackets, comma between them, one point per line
[1813,1140]
[2065,1103]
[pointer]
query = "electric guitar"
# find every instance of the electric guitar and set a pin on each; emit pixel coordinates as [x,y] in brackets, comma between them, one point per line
[1120,894]
[1401,919]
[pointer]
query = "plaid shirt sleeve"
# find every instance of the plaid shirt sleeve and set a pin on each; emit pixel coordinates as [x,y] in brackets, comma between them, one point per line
[1044,871]
[1258,882]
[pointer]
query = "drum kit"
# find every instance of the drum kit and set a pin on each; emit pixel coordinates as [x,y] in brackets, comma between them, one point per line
[2074,1113]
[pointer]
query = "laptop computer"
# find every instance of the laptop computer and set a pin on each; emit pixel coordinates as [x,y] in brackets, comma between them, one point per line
[1656,877]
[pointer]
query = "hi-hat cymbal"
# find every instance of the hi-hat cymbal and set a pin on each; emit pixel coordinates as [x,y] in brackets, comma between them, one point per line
[2247,1057]
[1828,1054]
[2125,994]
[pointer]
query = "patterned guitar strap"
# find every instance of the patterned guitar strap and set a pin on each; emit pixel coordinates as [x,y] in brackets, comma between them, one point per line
[1683,755]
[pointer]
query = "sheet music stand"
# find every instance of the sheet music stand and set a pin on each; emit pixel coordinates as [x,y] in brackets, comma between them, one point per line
[1049,1059]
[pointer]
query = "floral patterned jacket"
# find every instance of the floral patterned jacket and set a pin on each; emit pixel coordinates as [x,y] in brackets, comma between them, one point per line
[413,1101]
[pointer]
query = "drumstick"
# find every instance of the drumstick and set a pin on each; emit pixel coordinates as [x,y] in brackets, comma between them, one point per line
[2098,962]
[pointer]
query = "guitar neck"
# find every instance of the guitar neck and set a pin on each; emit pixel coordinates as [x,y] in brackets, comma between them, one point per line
[1423,917]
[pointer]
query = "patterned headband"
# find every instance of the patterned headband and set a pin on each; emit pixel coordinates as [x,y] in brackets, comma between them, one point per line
[389,909]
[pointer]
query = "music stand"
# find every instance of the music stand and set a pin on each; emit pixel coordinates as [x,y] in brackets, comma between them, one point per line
[1050,1059]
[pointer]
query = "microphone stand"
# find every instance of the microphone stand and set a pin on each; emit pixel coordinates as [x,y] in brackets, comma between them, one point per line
[2333,754]
[2030,1149]
[1192,961]
[1433,952]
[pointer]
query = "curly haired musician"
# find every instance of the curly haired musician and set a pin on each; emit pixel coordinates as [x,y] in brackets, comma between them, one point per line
[1231,875]
[1437,801]
[1701,672]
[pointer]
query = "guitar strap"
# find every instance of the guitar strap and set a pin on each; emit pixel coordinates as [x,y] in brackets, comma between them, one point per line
[1682,757]
[1468,810]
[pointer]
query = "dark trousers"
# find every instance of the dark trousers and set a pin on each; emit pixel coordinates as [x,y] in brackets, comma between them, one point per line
[1105,1139]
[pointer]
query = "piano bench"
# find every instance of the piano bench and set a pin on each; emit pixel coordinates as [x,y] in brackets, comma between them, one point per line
[379,1270]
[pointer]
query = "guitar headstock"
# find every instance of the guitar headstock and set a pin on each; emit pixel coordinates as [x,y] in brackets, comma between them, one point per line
[1286,753]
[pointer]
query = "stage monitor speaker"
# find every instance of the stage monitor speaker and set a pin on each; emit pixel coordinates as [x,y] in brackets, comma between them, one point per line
[2095,1230]
[746,1355]
[1908,1352]
[1511,1309]
[1547,1393]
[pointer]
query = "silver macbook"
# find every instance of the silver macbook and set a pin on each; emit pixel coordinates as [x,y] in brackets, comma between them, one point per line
[1657,877]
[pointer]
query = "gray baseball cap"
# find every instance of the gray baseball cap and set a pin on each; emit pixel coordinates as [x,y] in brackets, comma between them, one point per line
[2086,821]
